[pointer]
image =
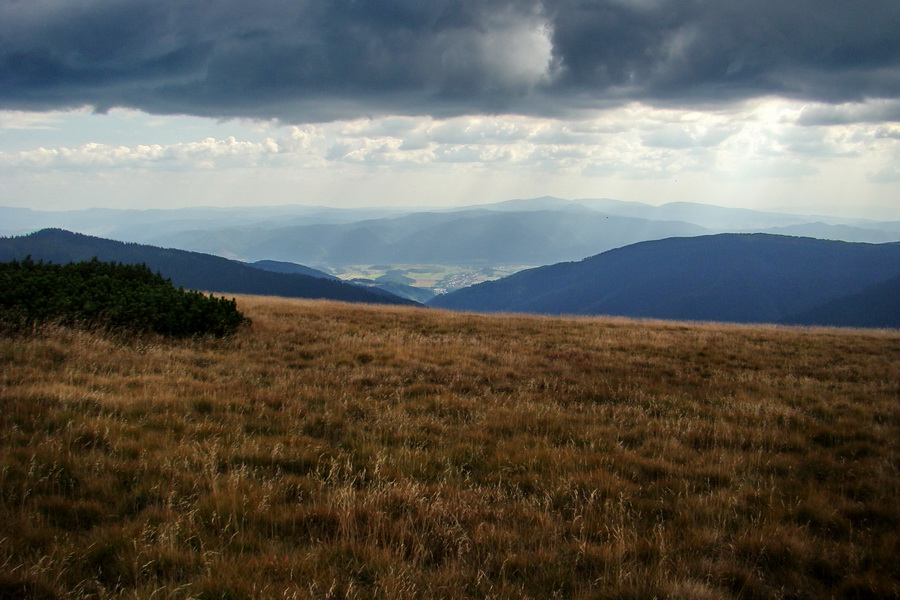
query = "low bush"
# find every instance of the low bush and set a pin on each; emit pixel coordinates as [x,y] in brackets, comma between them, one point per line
[108,295]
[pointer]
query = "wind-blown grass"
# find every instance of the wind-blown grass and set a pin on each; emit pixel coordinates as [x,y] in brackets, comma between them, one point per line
[346,451]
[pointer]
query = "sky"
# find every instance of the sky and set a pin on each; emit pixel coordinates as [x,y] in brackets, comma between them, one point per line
[790,105]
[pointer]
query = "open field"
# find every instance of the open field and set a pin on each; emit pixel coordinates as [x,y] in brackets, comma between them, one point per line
[348,451]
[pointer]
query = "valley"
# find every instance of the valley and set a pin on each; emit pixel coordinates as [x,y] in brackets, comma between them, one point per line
[438,278]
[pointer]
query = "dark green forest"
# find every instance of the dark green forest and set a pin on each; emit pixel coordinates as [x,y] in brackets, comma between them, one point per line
[108,295]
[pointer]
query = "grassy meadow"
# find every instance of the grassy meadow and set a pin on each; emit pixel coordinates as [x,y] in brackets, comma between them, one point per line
[346,451]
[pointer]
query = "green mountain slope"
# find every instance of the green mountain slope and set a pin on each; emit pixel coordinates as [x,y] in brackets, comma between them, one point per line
[875,306]
[728,277]
[187,269]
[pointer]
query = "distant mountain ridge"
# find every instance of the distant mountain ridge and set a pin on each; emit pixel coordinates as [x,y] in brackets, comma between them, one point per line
[530,231]
[453,237]
[749,278]
[720,219]
[187,269]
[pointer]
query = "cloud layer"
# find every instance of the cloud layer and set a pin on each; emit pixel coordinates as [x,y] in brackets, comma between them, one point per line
[320,60]
[763,139]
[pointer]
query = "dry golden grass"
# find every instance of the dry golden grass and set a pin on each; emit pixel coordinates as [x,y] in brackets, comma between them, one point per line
[343,451]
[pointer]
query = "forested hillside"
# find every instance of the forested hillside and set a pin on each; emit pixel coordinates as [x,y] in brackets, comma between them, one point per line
[191,270]
[728,277]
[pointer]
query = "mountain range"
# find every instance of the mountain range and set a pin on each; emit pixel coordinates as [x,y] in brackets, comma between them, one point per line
[678,260]
[465,237]
[523,232]
[749,278]
[191,270]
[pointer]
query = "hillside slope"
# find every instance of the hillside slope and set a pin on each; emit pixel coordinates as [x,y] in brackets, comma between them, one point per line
[876,306]
[292,269]
[187,269]
[728,277]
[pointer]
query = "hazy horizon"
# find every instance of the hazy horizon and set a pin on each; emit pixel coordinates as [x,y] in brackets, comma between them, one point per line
[401,209]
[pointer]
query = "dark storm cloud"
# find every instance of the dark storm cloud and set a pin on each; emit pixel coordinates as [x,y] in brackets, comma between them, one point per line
[829,50]
[323,59]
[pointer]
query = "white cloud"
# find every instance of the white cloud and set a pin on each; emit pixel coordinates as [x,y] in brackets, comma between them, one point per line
[14,119]
[679,137]
[888,132]
[887,174]
[760,147]
[208,153]
[633,141]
